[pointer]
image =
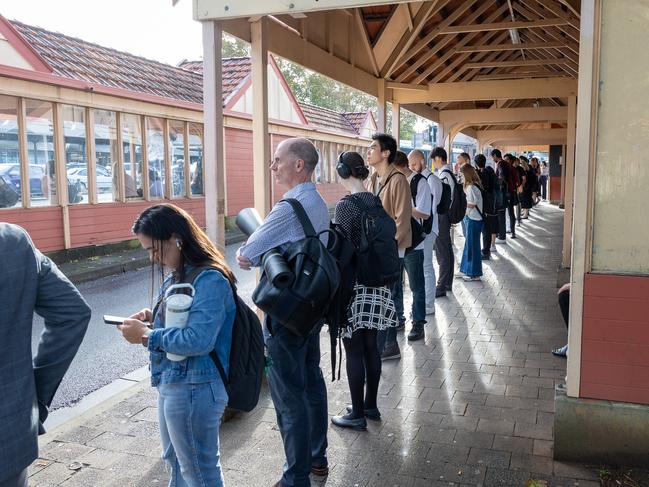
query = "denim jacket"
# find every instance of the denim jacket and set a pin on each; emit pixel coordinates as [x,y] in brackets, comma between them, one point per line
[209,327]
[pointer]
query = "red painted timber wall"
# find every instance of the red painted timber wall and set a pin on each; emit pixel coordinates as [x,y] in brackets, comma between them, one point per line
[615,338]
[44,225]
[554,189]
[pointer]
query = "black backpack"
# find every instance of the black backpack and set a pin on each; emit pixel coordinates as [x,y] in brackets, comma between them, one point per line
[302,304]
[344,252]
[427,224]
[445,200]
[377,258]
[457,210]
[247,361]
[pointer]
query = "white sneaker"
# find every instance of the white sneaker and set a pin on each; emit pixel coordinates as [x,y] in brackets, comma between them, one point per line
[493,249]
[469,278]
[430,311]
[501,241]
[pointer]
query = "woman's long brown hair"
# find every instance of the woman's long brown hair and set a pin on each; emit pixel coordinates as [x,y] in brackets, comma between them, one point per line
[470,176]
[163,221]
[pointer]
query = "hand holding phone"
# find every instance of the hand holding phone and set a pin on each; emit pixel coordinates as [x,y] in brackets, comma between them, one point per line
[113,320]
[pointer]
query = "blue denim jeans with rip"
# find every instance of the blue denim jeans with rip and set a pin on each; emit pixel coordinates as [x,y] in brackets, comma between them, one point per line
[299,394]
[190,418]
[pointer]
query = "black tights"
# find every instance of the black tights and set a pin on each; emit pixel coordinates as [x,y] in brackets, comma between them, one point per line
[363,366]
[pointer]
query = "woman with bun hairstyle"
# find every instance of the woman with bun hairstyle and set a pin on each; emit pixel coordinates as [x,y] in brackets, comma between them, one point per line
[191,393]
[371,308]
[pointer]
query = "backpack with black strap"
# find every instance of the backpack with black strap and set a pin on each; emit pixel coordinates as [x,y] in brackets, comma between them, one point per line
[301,303]
[427,224]
[457,210]
[416,230]
[247,361]
[445,199]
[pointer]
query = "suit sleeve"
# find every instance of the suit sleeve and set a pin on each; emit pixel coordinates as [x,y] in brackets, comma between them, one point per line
[66,316]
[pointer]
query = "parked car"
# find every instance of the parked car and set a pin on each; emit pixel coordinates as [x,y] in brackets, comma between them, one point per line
[11,174]
[104,179]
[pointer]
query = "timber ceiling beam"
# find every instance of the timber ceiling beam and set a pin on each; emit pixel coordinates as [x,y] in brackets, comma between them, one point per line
[463,29]
[515,64]
[490,90]
[521,134]
[423,111]
[525,142]
[503,115]
[290,45]
[360,24]
[510,47]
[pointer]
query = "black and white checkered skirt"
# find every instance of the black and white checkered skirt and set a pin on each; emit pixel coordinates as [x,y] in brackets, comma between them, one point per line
[370,308]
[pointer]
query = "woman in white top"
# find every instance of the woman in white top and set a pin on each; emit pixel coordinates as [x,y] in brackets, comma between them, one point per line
[471,265]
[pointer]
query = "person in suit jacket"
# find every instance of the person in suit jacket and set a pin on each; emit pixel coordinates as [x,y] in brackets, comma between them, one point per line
[31,283]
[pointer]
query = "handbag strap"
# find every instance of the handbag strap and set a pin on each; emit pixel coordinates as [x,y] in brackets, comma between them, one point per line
[307,226]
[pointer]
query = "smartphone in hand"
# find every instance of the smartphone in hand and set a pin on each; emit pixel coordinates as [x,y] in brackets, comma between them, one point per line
[113,320]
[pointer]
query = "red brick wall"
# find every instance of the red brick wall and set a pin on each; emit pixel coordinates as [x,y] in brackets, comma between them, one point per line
[44,225]
[615,338]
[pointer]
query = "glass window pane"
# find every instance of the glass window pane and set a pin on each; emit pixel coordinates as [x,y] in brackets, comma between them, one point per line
[10,195]
[132,150]
[155,155]
[40,153]
[177,152]
[74,142]
[105,134]
[196,157]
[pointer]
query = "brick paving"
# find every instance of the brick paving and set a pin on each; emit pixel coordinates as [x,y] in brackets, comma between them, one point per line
[471,405]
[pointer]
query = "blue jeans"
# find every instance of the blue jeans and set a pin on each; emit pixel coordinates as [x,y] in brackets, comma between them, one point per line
[190,418]
[299,394]
[429,270]
[389,335]
[472,256]
[414,263]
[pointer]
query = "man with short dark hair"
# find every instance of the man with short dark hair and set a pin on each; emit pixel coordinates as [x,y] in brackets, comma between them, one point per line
[393,190]
[31,283]
[443,244]
[295,379]
[503,173]
[490,204]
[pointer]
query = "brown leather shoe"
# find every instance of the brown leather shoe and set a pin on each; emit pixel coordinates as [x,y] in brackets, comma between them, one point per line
[320,471]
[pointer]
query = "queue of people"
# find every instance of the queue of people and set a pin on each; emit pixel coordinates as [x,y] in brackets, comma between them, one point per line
[190,363]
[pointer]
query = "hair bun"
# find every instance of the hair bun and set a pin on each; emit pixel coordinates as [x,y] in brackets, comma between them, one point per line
[361,172]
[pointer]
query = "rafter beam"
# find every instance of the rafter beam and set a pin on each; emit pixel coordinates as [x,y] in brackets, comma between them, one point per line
[461,29]
[520,75]
[423,111]
[510,47]
[365,40]
[521,134]
[504,115]
[515,64]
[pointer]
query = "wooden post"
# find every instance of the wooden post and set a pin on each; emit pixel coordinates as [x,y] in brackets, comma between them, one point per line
[187,168]
[91,157]
[119,167]
[168,189]
[213,156]
[61,173]
[261,152]
[570,180]
[396,121]
[381,122]
[145,160]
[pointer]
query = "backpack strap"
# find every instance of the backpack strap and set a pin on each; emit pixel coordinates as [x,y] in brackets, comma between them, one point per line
[307,226]
[414,182]
[387,181]
[190,278]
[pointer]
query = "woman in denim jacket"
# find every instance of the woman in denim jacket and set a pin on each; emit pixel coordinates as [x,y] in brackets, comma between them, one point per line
[192,396]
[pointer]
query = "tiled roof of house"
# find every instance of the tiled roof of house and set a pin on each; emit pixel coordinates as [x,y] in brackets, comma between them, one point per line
[326,118]
[77,59]
[356,119]
[235,71]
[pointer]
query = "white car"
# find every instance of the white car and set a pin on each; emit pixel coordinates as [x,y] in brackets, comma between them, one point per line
[104,179]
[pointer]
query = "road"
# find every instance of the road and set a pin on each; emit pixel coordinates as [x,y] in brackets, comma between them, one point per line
[104,355]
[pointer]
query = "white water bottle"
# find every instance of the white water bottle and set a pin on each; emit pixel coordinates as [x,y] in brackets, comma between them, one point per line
[177,311]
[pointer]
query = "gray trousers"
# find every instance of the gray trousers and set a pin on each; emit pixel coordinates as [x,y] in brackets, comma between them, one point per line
[444,252]
[19,480]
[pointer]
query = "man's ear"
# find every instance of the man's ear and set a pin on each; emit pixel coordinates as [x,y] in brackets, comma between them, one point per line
[299,165]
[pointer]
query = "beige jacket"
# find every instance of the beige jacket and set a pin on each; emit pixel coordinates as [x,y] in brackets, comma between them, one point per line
[396,199]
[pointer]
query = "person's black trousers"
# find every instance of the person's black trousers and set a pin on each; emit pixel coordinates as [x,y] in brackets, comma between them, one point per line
[543,182]
[564,305]
[444,252]
[19,480]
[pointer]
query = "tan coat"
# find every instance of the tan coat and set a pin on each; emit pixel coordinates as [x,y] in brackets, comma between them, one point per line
[396,199]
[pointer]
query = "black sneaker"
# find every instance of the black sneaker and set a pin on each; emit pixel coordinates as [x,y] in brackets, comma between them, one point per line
[391,352]
[349,421]
[417,331]
[370,413]
[439,293]
[486,256]
[401,324]
[513,235]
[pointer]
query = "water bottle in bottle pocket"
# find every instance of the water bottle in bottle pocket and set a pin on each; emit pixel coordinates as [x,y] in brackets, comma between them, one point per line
[177,311]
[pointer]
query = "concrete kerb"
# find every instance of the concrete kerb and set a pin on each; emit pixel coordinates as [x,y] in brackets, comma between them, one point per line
[96,402]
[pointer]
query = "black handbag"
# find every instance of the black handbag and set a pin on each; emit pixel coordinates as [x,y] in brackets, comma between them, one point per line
[301,304]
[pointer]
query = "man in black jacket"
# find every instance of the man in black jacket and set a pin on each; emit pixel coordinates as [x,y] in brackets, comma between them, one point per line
[490,201]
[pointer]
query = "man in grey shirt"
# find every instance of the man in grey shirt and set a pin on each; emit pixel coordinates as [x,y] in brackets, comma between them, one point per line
[296,383]
[31,283]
